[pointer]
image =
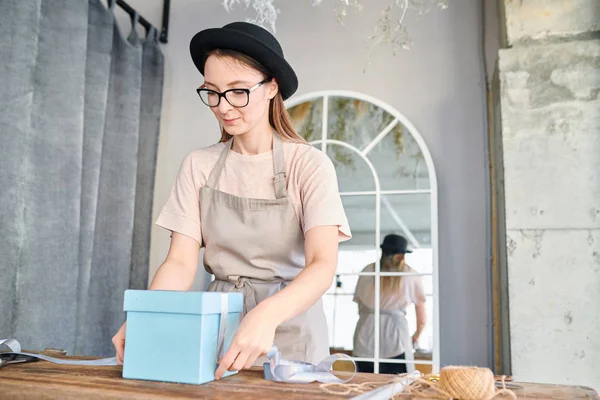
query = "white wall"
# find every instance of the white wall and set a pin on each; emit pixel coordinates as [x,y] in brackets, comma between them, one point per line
[437,85]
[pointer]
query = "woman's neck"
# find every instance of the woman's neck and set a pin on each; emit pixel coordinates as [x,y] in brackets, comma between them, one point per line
[253,143]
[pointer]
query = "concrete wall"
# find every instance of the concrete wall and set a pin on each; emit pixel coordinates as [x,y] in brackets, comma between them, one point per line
[551,145]
[438,85]
[529,20]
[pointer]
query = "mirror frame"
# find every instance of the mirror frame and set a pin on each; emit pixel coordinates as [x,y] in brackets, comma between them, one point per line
[432,191]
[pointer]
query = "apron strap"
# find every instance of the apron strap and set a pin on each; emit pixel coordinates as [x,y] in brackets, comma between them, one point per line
[213,178]
[279,180]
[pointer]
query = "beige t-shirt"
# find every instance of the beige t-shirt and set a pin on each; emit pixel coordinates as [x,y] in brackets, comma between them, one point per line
[411,292]
[311,184]
[393,332]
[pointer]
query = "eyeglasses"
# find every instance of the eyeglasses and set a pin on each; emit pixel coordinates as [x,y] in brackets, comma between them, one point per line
[236,97]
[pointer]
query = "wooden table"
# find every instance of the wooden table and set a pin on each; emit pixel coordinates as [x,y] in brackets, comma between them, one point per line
[43,380]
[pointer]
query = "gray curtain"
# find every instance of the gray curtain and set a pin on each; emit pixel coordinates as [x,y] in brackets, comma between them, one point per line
[152,92]
[97,74]
[19,24]
[79,117]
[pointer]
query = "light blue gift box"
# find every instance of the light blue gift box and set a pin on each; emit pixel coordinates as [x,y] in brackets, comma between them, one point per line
[172,336]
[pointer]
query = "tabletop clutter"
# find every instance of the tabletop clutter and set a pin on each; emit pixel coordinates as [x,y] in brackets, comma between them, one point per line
[191,330]
[454,382]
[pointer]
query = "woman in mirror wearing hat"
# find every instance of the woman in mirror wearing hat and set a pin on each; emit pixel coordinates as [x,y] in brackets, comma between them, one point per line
[262,202]
[396,294]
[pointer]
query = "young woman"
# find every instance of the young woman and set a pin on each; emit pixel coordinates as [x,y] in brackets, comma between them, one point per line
[396,294]
[262,202]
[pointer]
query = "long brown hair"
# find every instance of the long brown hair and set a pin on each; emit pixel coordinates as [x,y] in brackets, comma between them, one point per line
[391,263]
[278,115]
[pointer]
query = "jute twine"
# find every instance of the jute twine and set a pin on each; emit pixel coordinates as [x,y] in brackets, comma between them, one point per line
[455,382]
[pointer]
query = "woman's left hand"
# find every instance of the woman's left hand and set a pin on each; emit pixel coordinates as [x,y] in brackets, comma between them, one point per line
[415,341]
[253,339]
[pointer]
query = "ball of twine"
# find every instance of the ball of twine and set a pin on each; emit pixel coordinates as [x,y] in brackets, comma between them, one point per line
[467,383]
[455,382]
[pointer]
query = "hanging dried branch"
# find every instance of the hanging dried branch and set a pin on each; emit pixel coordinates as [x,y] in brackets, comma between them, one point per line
[266,13]
[389,29]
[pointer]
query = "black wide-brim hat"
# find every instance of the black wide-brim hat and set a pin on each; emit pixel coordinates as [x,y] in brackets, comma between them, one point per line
[251,40]
[395,244]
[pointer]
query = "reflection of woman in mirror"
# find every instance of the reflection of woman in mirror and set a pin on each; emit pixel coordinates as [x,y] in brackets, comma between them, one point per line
[396,294]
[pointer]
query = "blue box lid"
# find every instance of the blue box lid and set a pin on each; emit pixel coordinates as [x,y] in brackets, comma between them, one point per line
[181,302]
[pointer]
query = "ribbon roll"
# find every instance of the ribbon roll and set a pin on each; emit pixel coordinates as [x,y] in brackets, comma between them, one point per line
[280,370]
[15,349]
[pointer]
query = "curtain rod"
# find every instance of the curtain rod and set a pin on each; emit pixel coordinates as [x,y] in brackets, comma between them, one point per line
[144,22]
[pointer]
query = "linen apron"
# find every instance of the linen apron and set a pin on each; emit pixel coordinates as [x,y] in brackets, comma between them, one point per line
[256,247]
[394,335]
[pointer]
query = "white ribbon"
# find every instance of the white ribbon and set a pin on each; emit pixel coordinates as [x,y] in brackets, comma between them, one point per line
[222,326]
[280,370]
[15,349]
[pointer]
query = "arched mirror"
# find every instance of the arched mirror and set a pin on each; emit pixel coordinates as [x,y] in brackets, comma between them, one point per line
[388,186]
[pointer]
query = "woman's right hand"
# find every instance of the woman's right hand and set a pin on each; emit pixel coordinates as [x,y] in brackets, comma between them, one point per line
[177,272]
[119,343]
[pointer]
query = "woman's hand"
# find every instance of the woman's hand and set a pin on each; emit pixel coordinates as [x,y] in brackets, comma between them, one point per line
[253,339]
[421,315]
[257,330]
[415,341]
[119,343]
[176,273]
